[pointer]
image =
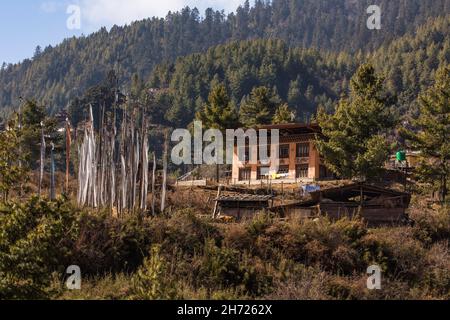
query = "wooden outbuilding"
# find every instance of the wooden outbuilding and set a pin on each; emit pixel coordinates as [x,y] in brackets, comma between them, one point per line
[376,205]
[242,206]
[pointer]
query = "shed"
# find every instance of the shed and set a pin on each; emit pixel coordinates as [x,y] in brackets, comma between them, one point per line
[376,205]
[242,206]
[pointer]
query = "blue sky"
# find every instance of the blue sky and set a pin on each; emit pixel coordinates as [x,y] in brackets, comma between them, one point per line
[25,24]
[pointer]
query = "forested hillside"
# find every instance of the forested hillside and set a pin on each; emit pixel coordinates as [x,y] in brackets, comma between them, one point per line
[409,63]
[302,78]
[58,74]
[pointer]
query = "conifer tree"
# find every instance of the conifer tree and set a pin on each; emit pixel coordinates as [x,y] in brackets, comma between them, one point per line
[12,168]
[294,94]
[432,137]
[33,114]
[219,113]
[283,115]
[259,108]
[354,143]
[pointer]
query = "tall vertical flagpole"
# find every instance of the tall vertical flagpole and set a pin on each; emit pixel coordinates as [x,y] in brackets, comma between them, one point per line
[52,174]
[20,145]
[153,184]
[165,165]
[42,160]
[68,146]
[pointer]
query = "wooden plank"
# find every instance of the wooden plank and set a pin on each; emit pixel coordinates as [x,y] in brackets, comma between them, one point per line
[216,206]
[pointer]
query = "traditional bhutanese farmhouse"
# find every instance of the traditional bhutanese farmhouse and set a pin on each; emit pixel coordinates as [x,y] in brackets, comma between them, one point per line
[299,158]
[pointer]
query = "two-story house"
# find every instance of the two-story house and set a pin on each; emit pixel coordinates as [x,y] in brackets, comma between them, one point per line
[299,160]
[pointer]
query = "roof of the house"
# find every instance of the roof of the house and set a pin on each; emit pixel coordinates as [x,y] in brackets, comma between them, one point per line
[294,128]
[244,198]
[344,194]
[354,190]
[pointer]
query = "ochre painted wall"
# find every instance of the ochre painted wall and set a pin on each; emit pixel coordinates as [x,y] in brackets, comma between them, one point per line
[314,163]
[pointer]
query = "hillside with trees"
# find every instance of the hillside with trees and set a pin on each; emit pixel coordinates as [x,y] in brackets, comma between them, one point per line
[56,75]
[304,79]
[410,63]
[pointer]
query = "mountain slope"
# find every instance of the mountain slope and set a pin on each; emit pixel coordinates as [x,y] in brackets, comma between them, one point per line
[61,73]
[303,78]
[410,62]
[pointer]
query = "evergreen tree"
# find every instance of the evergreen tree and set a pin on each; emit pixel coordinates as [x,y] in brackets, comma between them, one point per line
[137,87]
[283,115]
[219,113]
[33,116]
[259,108]
[294,94]
[354,143]
[37,52]
[432,137]
[12,166]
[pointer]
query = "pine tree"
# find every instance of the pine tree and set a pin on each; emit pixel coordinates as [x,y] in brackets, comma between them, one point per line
[37,52]
[354,143]
[259,108]
[283,115]
[219,113]
[12,168]
[137,86]
[432,137]
[294,94]
[33,115]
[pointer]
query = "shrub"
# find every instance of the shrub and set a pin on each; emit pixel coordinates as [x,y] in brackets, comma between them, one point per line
[437,271]
[299,282]
[396,251]
[105,244]
[259,224]
[273,241]
[221,268]
[153,281]
[236,236]
[346,288]
[355,288]
[432,225]
[33,239]
[188,232]
[334,246]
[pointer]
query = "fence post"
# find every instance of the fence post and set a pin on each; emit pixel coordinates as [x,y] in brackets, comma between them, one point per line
[216,206]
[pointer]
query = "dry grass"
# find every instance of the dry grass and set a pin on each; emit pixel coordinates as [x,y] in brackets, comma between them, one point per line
[265,258]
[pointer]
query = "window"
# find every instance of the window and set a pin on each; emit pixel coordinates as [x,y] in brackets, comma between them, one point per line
[245,174]
[303,150]
[325,173]
[263,173]
[284,151]
[244,154]
[283,170]
[267,153]
[302,171]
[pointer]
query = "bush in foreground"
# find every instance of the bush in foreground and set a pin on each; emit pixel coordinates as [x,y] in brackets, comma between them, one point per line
[188,257]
